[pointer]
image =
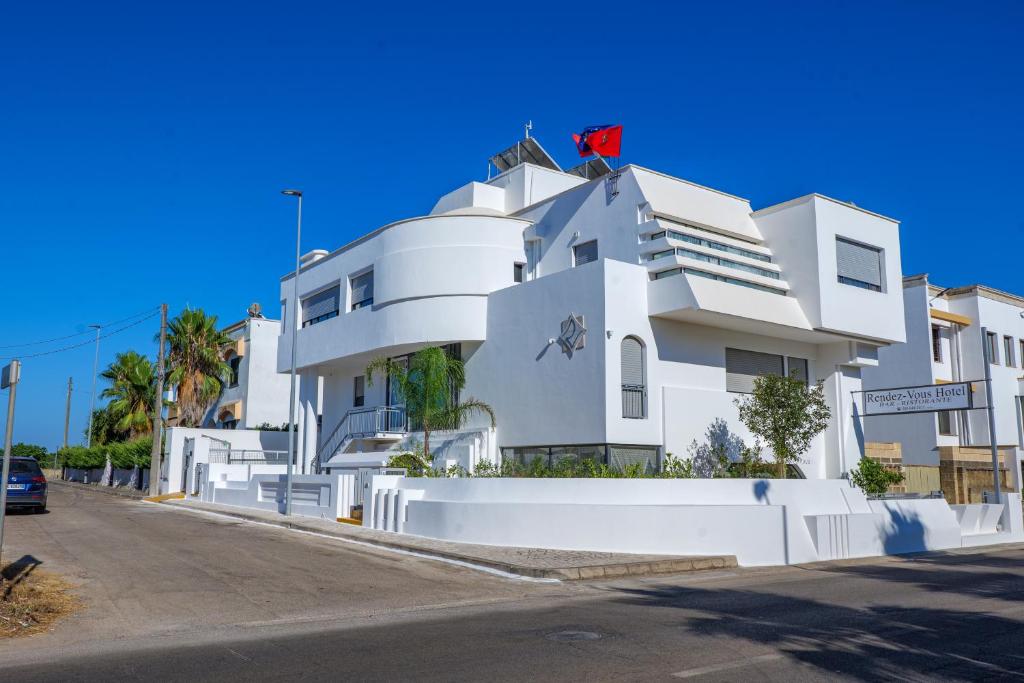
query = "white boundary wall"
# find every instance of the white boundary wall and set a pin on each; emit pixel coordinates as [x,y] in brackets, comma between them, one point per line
[761,522]
[324,496]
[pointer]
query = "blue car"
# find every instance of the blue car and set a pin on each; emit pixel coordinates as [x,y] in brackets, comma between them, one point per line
[26,485]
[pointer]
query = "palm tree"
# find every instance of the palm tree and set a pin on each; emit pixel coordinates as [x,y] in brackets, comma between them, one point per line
[427,387]
[194,363]
[132,391]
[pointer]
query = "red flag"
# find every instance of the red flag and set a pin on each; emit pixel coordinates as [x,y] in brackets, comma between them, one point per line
[607,142]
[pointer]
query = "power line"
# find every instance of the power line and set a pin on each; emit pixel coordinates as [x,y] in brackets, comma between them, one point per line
[87,342]
[72,336]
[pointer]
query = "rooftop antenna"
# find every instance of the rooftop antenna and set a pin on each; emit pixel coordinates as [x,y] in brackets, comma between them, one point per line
[528,127]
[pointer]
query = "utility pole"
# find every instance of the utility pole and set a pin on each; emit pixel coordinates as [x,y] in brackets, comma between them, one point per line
[95,370]
[67,414]
[11,375]
[158,409]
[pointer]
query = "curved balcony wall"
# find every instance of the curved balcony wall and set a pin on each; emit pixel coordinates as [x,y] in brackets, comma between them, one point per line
[432,276]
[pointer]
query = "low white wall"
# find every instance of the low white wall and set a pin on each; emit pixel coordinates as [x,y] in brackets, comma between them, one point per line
[313,495]
[761,522]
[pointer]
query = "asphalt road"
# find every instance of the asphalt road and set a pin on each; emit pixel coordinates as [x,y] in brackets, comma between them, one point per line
[173,595]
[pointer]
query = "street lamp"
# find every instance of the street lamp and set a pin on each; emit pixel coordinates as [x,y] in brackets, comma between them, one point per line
[295,334]
[95,369]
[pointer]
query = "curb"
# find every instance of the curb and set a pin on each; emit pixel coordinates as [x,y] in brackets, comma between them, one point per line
[607,571]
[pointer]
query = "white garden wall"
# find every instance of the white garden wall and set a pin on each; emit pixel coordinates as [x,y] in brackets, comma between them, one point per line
[761,522]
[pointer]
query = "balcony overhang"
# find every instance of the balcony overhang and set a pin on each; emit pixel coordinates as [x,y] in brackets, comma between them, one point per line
[697,300]
[948,317]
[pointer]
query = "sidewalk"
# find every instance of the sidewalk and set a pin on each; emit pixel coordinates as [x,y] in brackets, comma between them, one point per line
[531,562]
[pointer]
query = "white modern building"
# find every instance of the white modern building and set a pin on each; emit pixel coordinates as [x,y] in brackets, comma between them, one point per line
[613,317]
[945,344]
[254,393]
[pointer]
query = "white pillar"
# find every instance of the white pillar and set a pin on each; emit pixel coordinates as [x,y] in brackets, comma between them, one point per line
[307,440]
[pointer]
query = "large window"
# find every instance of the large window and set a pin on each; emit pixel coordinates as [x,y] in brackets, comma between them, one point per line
[936,343]
[617,456]
[993,347]
[742,367]
[1009,352]
[634,380]
[712,244]
[320,307]
[859,265]
[358,391]
[724,262]
[661,274]
[362,290]
[946,423]
[234,363]
[584,253]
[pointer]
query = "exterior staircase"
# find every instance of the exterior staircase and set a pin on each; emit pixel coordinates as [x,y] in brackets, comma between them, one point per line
[384,423]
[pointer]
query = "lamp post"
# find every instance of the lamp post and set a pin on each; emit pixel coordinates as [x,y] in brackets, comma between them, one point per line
[295,334]
[92,401]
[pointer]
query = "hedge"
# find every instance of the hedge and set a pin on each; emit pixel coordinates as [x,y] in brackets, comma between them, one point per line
[124,455]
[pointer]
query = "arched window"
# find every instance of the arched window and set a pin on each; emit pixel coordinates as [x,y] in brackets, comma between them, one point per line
[634,379]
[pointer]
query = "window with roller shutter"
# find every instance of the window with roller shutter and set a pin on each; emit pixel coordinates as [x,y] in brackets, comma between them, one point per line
[741,367]
[362,290]
[321,306]
[859,265]
[584,253]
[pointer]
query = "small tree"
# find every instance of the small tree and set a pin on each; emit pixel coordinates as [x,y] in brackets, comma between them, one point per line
[786,415]
[426,386]
[874,478]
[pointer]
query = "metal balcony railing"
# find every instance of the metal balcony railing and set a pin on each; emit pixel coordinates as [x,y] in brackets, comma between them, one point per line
[362,423]
[634,401]
[230,456]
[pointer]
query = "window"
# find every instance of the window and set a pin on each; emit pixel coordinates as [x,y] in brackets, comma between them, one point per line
[741,367]
[320,307]
[234,364]
[711,244]
[946,423]
[634,383]
[797,369]
[1008,352]
[362,290]
[993,348]
[936,343]
[1022,352]
[721,278]
[517,271]
[584,253]
[859,265]
[689,253]
[358,391]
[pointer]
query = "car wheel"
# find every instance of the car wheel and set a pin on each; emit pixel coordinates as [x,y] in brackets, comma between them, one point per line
[40,509]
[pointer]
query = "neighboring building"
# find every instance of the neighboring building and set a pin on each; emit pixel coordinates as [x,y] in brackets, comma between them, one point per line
[944,344]
[615,317]
[255,393]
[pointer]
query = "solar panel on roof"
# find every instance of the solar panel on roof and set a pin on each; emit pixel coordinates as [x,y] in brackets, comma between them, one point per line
[592,168]
[526,151]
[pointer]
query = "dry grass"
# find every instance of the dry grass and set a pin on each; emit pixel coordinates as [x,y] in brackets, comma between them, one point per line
[31,599]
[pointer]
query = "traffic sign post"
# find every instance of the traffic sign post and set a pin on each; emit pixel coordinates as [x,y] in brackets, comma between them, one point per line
[8,380]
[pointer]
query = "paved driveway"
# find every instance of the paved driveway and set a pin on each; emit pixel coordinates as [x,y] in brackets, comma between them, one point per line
[174,595]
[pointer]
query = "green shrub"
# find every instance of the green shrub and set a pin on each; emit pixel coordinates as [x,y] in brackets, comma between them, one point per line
[123,455]
[874,478]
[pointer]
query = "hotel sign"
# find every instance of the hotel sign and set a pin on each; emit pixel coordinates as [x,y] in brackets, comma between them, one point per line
[924,399]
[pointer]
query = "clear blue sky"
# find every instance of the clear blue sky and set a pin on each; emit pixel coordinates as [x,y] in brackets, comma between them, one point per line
[142,145]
